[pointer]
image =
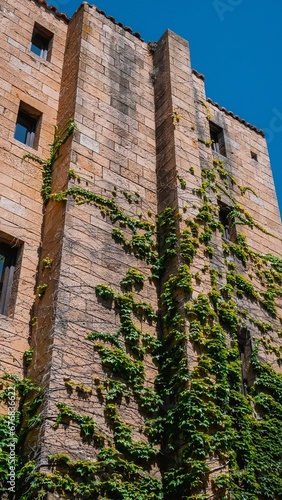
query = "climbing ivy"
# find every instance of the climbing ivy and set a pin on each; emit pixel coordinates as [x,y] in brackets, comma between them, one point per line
[15,425]
[60,137]
[209,414]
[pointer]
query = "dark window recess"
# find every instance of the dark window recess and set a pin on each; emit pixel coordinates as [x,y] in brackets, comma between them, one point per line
[41,42]
[27,126]
[245,350]
[217,136]
[229,229]
[25,129]
[254,156]
[10,257]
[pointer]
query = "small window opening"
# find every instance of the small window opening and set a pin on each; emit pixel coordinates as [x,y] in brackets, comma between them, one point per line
[10,258]
[245,350]
[229,229]
[254,156]
[217,136]
[27,125]
[41,42]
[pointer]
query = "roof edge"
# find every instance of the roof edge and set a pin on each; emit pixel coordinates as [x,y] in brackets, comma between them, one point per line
[199,75]
[236,117]
[113,20]
[64,17]
[54,10]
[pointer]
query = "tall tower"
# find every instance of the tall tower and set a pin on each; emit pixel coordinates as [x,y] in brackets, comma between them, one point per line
[140,270]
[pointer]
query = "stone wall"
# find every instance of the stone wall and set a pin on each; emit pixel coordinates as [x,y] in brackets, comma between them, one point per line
[141,145]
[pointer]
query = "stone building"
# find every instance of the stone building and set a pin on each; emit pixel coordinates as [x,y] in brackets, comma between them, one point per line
[139,268]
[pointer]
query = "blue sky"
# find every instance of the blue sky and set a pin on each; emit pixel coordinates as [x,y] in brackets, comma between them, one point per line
[236,44]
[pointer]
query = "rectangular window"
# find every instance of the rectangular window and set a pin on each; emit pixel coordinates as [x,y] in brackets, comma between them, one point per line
[27,126]
[10,258]
[254,156]
[245,349]
[229,229]
[41,42]
[217,136]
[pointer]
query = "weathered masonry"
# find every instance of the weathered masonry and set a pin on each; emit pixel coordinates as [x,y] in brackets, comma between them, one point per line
[140,270]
